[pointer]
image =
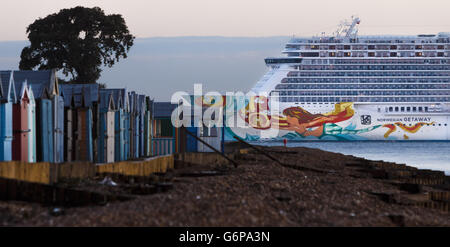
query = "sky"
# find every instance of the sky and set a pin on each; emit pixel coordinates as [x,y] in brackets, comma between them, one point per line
[168,18]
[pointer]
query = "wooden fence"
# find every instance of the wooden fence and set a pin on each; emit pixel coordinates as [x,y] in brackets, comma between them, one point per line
[138,168]
[44,172]
[50,173]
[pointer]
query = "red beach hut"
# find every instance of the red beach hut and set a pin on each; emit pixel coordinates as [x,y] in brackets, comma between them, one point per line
[20,124]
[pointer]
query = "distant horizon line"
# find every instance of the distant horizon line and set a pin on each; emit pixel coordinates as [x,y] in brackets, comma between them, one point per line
[243,36]
[185,36]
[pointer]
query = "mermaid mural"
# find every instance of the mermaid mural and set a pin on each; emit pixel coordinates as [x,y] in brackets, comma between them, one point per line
[298,123]
[303,123]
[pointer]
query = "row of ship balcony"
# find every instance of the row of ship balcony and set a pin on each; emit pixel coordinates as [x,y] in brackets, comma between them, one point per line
[373,67]
[380,61]
[384,80]
[346,60]
[335,86]
[437,93]
[315,99]
[379,53]
[367,47]
[366,73]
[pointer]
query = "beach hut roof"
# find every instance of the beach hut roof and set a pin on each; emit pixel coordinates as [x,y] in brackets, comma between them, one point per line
[163,109]
[106,100]
[141,103]
[42,81]
[21,88]
[132,98]
[80,95]
[119,97]
[8,91]
[149,104]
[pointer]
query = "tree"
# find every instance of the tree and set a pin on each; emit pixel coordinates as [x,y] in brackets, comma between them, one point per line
[79,41]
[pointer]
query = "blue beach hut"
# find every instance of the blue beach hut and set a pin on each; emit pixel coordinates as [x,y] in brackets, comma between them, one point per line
[7,98]
[148,125]
[141,112]
[134,125]
[58,130]
[127,125]
[163,132]
[210,130]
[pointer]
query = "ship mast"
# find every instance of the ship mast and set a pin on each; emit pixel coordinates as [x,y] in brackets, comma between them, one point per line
[348,29]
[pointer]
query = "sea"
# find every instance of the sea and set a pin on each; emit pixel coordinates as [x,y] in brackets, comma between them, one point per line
[434,155]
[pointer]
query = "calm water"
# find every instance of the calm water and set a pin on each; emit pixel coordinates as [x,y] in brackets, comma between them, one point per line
[426,155]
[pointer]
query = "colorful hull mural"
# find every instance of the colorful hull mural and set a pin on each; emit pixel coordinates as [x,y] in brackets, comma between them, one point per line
[343,121]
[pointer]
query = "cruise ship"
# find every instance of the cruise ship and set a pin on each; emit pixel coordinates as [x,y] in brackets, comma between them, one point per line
[350,87]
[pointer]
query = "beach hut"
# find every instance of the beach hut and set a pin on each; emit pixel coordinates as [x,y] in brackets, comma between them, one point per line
[163,132]
[106,127]
[44,86]
[32,127]
[148,126]
[141,112]
[120,106]
[209,130]
[44,128]
[58,130]
[134,126]
[20,123]
[127,125]
[131,126]
[7,98]
[83,133]
[69,123]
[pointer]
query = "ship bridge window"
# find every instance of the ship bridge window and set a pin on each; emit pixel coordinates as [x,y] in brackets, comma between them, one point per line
[390,109]
[414,109]
[408,109]
[396,109]
[420,108]
[402,109]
